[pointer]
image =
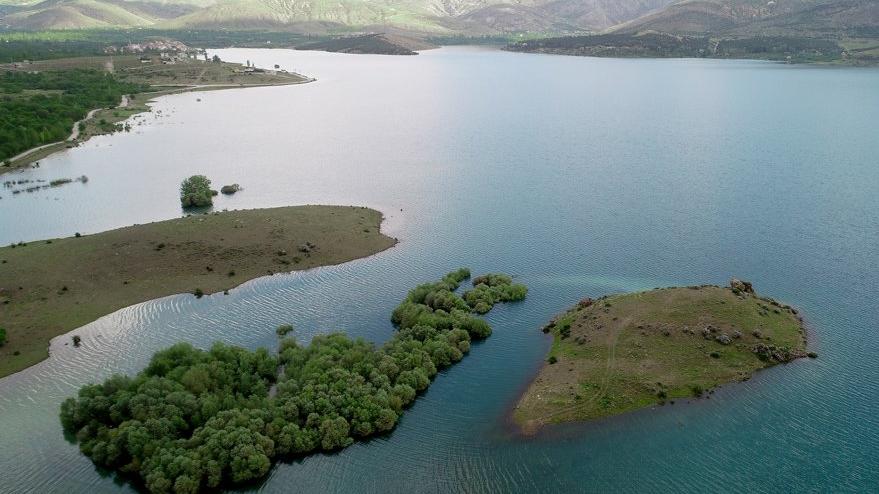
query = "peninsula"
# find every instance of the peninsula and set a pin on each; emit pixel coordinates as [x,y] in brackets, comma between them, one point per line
[370,44]
[624,352]
[51,105]
[50,287]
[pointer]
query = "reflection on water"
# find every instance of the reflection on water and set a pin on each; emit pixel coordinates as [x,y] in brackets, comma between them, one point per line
[580,176]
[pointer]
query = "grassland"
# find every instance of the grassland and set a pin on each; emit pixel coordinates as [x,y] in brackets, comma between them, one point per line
[51,287]
[631,351]
[186,74]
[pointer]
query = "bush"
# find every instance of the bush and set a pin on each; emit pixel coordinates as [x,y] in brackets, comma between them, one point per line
[284,329]
[2,336]
[552,359]
[198,293]
[697,390]
[76,340]
[195,191]
[492,288]
[564,329]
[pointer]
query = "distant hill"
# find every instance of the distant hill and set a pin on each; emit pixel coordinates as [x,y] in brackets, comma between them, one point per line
[82,14]
[425,16]
[712,18]
[760,17]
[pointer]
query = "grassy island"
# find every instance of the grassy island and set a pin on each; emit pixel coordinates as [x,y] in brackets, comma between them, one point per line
[50,287]
[624,352]
[377,44]
[195,420]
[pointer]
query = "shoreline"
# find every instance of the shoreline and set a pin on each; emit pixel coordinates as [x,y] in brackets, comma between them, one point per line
[559,430]
[25,159]
[842,64]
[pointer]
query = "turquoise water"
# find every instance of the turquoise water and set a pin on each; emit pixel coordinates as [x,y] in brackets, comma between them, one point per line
[580,176]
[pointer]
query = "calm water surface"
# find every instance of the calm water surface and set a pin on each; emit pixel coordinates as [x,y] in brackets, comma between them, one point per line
[580,176]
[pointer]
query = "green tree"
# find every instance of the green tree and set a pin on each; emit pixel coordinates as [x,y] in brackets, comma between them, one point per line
[195,191]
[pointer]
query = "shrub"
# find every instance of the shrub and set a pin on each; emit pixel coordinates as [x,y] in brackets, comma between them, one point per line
[198,293]
[2,336]
[697,390]
[492,288]
[552,359]
[284,329]
[565,329]
[76,340]
[195,191]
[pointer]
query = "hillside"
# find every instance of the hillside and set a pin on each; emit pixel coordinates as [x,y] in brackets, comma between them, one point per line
[838,31]
[764,18]
[322,16]
[82,14]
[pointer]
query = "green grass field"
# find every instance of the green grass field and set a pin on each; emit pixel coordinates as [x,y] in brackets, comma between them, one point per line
[626,352]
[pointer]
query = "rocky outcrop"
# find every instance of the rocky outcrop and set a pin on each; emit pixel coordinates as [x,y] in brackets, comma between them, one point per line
[740,286]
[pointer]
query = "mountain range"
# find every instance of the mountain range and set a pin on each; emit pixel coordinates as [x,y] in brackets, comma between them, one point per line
[468,17]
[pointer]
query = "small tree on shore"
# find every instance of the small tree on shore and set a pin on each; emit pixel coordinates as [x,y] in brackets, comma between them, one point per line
[195,191]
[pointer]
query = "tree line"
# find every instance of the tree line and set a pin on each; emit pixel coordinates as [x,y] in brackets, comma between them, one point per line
[196,419]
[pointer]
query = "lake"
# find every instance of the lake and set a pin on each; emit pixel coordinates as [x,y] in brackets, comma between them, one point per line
[579,176]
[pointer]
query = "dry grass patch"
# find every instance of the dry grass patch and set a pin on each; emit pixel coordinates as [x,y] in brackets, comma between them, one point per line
[53,286]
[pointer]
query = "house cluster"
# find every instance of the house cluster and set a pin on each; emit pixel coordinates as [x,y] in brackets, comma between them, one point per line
[252,70]
[170,51]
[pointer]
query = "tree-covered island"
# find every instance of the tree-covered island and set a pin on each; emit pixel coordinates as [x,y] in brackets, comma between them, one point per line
[198,419]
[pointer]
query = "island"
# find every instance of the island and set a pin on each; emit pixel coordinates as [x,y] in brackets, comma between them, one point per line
[370,44]
[205,419]
[624,352]
[51,287]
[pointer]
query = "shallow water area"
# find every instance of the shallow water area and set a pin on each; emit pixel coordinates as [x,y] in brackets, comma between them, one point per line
[581,177]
